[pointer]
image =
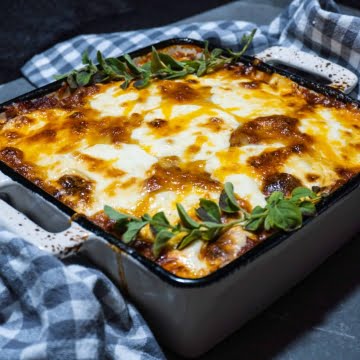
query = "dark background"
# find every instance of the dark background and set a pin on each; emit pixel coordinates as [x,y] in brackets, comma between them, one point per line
[29,27]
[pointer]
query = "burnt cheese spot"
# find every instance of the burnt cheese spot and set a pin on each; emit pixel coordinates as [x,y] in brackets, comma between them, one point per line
[116,130]
[11,135]
[250,84]
[158,123]
[77,98]
[20,121]
[283,182]
[173,265]
[268,129]
[312,177]
[179,176]
[77,115]
[46,102]
[72,101]
[74,189]
[345,174]
[313,98]
[192,81]
[193,149]
[79,127]
[144,247]
[117,134]
[179,91]
[12,156]
[214,123]
[74,184]
[102,220]
[249,72]
[268,161]
[46,135]
[221,251]
[100,166]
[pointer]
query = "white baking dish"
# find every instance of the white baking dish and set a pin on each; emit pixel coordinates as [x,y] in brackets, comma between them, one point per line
[191,316]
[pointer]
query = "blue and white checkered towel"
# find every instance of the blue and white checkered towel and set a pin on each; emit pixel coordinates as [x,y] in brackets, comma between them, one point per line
[69,310]
[51,310]
[315,26]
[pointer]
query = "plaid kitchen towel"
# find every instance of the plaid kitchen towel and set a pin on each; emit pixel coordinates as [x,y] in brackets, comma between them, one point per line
[50,310]
[315,26]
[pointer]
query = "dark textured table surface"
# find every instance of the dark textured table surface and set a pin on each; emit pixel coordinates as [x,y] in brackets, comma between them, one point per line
[29,27]
[319,318]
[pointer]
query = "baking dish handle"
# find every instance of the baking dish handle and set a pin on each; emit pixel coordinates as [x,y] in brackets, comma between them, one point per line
[59,243]
[339,77]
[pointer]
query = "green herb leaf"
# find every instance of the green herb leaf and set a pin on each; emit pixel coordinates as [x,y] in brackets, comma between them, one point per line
[201,69]
[117,66]
[275,197]
[209,211]
[85,58]
[71,80]
[59,77]
[185,218]
[116,215]
[228,202]
[171,62]
[108,70]
[99,77]
[176,74]
[307,208]
[133,229]
[256,219]
[128,78]
[246,40]
[134,69]
[211,233]
[161,240]
[83,78]
[283,215]
[195,234]
[159,222]
[146,67]
[143,82]
[300,193]
[156,63]
[216,53]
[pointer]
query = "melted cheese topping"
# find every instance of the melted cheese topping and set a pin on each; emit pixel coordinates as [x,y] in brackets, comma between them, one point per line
[176,141]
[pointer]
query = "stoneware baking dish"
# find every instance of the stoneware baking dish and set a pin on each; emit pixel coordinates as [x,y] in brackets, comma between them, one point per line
[190,316]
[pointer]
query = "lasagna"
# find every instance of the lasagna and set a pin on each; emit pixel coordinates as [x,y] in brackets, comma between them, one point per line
[176,141]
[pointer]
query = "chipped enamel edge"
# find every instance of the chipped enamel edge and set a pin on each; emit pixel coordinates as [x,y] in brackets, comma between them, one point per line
[340,78]
[58,243]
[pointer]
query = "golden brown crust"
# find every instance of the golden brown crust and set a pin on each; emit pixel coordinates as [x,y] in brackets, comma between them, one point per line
[50,130]
[167,176]
[269,129]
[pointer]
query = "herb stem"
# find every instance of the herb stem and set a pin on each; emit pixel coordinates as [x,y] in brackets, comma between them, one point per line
[279,213]
[160,66]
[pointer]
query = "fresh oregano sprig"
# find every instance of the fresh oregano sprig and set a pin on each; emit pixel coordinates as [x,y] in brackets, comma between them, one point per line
[160,66]
[280,213]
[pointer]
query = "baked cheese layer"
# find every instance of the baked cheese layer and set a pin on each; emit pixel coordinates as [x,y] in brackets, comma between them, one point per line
[143,151]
